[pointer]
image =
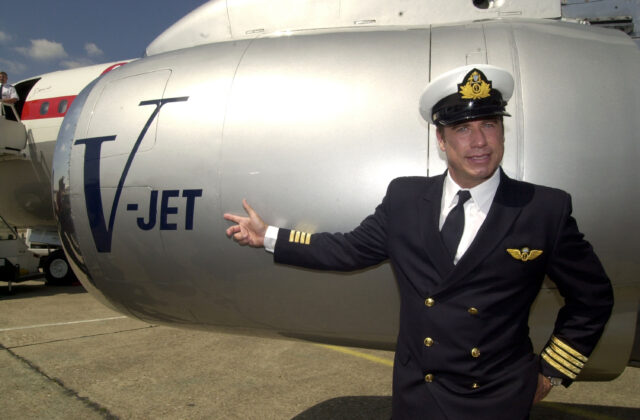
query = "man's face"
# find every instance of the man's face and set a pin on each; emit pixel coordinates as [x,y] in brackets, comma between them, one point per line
[3,78]
[474,149]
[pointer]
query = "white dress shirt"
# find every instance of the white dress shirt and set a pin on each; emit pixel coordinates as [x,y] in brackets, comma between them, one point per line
[270,238]
[475,211]
[9,92]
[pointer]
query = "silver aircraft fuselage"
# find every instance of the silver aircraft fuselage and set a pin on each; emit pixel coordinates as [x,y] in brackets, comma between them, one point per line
[310,129]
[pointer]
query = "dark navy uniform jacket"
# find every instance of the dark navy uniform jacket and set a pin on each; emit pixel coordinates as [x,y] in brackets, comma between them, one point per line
[463,348]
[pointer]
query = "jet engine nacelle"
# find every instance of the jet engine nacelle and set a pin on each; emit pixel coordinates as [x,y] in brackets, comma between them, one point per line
[311,129]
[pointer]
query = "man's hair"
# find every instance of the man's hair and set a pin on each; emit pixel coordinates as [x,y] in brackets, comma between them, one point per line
[4,73]
[440,128]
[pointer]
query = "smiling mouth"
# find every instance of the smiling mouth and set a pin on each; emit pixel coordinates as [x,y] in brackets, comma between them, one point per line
[478,158]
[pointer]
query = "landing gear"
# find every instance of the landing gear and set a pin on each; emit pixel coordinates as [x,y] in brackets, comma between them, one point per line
[57,270]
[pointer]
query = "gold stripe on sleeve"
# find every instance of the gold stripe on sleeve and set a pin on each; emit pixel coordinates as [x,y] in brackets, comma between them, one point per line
[566,355]
[569,349]
[292,235]
[297,239]
[308,241]
[555,356]
[558,367]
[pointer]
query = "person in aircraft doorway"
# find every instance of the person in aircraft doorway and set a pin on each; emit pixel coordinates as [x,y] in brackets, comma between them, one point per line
[8,95]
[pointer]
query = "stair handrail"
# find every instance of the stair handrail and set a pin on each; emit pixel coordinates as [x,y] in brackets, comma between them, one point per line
[13,108]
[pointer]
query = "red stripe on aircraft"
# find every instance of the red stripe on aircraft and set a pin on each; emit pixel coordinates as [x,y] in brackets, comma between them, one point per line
[47,108]
[54,107]
[108,69]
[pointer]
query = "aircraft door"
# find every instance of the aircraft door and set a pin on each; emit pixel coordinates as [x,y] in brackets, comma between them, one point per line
[115,114]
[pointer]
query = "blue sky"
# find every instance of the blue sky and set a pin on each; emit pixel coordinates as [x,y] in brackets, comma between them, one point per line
[41,36]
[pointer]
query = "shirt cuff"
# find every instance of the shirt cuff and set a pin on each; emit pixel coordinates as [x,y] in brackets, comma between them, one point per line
[270,238]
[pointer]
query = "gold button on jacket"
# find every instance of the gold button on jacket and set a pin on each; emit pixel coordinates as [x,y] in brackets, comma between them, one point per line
[428,341]
[429,302]
[428,377]
[473,311]
[475,352]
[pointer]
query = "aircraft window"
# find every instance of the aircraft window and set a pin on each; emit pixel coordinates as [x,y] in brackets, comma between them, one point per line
[62,106]
[44,108]
[488,4]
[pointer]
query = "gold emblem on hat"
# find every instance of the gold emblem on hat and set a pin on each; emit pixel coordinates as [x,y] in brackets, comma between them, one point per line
[477,87]
[524,254]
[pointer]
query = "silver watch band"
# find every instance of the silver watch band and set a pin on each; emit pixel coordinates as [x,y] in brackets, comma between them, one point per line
[554,381]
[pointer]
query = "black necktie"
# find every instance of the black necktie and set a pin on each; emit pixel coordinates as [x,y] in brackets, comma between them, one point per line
[454,224]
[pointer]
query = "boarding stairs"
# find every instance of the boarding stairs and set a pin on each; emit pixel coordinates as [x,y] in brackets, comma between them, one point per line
[17,142]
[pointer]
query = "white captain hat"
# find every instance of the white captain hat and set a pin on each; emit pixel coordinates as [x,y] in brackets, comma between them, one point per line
[468,92]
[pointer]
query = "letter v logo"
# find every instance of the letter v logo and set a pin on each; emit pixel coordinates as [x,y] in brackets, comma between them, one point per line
[101,230]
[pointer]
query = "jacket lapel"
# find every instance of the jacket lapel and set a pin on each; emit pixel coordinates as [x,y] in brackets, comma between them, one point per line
[430,209]
[508,202]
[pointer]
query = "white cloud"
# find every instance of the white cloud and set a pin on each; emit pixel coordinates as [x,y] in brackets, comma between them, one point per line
[12,67]
[43,49]
[4,37]
[92,49]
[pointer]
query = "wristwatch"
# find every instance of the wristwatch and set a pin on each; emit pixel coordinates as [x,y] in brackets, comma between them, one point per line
[554,381]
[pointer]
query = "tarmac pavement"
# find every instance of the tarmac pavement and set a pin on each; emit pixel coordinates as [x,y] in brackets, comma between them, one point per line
[65,356]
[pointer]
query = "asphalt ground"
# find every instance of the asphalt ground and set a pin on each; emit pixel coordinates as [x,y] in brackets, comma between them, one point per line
[65,356]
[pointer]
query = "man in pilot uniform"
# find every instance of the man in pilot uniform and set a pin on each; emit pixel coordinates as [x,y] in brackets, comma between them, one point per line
[8,92]
[470,249]
[8,95]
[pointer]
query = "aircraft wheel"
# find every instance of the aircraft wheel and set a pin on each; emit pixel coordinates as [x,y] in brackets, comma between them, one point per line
[57,270]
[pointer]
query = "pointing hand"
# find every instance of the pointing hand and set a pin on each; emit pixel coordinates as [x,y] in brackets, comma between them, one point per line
[247,230]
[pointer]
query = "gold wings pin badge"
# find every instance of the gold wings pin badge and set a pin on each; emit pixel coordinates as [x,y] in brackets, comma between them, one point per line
[524,254]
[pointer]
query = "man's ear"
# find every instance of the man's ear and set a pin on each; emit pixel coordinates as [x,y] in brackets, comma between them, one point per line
[440,137]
